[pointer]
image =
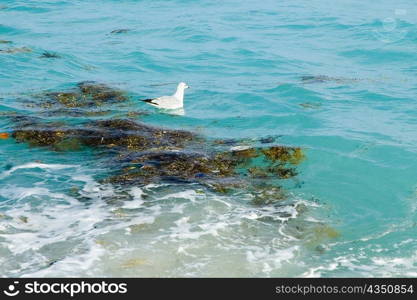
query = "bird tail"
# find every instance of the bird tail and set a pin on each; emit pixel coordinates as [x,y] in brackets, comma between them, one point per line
[147,100]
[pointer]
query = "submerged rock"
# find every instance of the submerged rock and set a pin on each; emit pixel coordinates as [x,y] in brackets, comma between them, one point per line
[16,50]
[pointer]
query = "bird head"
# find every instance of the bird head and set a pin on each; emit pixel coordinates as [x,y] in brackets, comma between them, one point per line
[183,85]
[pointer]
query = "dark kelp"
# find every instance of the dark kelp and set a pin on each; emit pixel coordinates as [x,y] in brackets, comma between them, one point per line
[324,78]
[119,31]
[124,134]
[148,154]
[86,99]
[47,54]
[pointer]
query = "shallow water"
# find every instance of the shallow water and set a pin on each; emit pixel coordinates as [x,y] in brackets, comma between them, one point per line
[351,210]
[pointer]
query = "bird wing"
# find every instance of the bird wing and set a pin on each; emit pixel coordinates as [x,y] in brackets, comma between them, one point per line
[151,101]
[162,101]
[166,102]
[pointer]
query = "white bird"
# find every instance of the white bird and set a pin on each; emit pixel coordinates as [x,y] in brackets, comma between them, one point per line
[175,101]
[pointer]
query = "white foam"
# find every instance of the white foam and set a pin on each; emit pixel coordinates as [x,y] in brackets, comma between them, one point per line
[36,165]
[20,193]
[89,238]
[73,266]
[188,194]
[137,194]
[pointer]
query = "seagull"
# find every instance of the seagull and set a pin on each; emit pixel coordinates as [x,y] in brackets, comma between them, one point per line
[175,101]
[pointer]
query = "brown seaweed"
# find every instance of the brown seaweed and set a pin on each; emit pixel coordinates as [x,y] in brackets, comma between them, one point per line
[151,154]
[126,134]
[87,94]
[16,50]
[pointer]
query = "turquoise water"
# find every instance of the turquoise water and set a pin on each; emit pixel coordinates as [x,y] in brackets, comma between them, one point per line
[337,79]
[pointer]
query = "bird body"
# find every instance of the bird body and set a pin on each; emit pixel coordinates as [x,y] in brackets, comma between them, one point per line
[175,101]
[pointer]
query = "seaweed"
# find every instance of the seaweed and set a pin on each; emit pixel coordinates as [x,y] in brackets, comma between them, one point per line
[284,154]
[268,195]
[267,140]
[16,50]
[68,99]
[87,94]
[315,78]
[75,112]
[309,105]
[153,166]
[125,134]
[118,31]
[245,153]
[221,171]
[133,136]
[85,99]
[47,54]
[68,144]
[148,154]
[47,135]
[100,92]
[258,172]
[307,79]
[154,154]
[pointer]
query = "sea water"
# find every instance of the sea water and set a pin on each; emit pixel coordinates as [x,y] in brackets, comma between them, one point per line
[335,78]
